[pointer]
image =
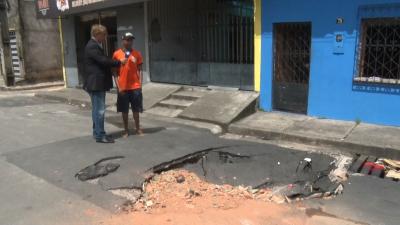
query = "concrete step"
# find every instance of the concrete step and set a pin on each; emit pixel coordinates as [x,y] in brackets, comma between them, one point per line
[188,95]
[173,103]
[164,111]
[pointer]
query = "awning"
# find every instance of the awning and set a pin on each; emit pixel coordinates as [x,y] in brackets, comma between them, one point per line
[56,8]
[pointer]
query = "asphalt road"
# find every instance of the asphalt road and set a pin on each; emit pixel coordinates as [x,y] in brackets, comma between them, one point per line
[44,143]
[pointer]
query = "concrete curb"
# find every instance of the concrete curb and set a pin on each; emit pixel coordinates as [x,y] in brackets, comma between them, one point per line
[213,128]
[344,146]
[32,87]
[63,99]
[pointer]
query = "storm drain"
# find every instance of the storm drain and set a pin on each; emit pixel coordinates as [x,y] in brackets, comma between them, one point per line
[378,167]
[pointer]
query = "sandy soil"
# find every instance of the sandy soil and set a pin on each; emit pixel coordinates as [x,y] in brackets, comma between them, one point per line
[181,198]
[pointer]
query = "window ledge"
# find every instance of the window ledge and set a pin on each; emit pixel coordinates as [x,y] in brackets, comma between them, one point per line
[376,80]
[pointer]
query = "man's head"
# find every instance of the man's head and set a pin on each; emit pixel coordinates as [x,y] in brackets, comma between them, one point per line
[99,32]
[127,40]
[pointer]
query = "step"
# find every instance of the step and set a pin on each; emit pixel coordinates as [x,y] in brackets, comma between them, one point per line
[173,103]
[164,111]
[189,95]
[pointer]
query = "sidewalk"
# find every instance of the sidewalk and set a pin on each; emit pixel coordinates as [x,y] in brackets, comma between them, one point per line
[366,139]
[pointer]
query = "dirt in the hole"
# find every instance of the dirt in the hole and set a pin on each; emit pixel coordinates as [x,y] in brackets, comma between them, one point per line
[179,197]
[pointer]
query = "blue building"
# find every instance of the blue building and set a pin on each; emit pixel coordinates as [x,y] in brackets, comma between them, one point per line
[332,59]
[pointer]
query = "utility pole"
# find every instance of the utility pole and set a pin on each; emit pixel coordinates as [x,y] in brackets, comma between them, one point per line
[9,77]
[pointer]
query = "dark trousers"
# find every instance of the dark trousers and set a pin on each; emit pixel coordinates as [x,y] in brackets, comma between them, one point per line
[98,99]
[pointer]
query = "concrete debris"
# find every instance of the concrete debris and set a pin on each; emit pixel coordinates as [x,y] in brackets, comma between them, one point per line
[180,179]
[392,164]
[149,203]
[130,194]
[340,174]
[164,191]
[393,174]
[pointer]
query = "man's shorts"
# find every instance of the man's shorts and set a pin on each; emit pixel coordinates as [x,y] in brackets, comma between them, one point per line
[134,98]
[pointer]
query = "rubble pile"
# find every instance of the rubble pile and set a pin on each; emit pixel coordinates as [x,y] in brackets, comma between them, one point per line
[175,188]
[180,187]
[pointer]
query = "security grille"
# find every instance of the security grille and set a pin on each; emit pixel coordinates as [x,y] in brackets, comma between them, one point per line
[16,63]
[292,52]
[292,44]
[202,42]
[379,59]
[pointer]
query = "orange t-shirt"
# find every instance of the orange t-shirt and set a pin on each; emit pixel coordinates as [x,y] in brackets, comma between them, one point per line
[129,76]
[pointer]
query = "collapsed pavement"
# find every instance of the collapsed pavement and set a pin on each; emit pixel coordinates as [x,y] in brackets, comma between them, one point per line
[293,176]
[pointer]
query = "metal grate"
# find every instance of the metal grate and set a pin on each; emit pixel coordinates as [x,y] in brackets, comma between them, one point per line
[226,31]
[202,42]
[379,59]
[292,52]
[209,30]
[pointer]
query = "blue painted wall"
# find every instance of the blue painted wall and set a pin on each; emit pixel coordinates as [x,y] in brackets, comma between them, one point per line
[331,93]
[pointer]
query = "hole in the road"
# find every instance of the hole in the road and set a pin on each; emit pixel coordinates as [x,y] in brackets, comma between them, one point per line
[290,181]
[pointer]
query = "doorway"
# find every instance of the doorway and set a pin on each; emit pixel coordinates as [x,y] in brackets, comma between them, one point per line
[83,25]
[292,53]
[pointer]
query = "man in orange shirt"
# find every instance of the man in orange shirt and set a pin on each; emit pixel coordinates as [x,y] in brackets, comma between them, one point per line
[129,82]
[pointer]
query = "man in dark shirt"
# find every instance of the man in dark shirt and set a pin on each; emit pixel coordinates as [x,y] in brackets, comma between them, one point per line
[98,79]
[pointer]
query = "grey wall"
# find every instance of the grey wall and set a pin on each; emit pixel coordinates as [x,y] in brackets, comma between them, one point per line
[131,19]
[41,43]
[38,41]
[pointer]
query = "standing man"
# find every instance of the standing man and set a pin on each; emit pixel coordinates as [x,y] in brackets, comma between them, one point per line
[129,82]
[98,79]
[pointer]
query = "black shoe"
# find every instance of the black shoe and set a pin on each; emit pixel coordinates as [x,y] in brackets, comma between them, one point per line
[105,140]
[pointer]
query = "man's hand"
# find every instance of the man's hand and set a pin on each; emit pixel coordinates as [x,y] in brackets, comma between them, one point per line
[123,61]
[133,59]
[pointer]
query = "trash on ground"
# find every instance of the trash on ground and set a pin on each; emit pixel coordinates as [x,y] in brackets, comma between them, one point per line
[393,174]
[370,165]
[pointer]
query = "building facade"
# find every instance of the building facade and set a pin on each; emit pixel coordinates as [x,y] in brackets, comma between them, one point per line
[188,42]
[35,44]
[332,59]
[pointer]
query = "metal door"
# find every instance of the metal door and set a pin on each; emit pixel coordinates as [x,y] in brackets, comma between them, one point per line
[202,42]
[292,46]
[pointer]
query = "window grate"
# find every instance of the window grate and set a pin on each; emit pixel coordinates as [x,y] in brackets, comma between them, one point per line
[379,59]
[292,52]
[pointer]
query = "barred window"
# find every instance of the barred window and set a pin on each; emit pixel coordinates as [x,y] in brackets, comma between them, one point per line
[379,51]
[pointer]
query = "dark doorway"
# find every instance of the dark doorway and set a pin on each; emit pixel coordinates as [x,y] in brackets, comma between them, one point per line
[292,46]
[83,25]
[202,42]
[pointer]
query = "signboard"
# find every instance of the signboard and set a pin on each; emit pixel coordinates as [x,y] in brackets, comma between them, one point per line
[55,8]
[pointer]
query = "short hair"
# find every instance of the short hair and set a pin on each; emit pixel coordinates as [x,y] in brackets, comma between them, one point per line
[98,29]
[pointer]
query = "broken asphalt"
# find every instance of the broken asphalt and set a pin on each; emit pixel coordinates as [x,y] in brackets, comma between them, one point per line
[62,146]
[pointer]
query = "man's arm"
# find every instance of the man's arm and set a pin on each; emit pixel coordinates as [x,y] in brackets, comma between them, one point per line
[96,54]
